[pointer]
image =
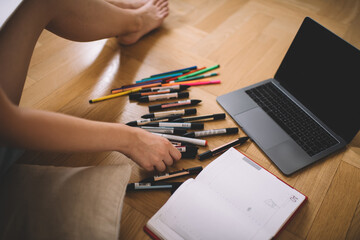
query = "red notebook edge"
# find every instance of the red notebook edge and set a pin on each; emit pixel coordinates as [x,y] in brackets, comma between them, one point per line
[150,233]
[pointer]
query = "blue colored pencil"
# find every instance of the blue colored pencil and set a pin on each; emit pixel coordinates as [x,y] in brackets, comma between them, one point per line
[160,77]
[175,71]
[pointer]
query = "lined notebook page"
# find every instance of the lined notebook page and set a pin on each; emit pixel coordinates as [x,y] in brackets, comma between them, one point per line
[232,198]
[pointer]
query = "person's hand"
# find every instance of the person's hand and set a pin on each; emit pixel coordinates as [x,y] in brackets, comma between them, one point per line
[151,151]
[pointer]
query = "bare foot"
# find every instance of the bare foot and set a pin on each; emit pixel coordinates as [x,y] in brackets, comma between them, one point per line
[152,14]
[128,4]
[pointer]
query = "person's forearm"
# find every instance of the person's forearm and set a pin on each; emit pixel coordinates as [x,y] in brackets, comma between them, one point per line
[40,130]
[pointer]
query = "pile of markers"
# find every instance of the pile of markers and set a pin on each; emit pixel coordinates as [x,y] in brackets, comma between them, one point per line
[167,120]
[173,120]
[172,124]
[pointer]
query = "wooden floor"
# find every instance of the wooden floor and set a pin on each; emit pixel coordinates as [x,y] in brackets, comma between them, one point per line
[248,38]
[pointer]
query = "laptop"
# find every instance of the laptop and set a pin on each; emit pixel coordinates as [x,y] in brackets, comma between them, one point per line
[7,8]
[310,109]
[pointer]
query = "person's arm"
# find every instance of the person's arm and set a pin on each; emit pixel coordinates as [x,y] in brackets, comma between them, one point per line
[41,130]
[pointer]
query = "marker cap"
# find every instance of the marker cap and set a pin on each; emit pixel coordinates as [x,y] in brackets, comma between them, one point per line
[135,96]
[190,111]
[232,130]
[205,155]
[197,126]
[219,116]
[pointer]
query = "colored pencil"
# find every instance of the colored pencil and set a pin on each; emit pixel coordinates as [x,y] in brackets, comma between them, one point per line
[196,77]
[113,96]
[200,72]
[174,71]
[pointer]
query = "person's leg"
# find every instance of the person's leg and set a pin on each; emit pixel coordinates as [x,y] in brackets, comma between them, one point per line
[152,13]
[81,20]
[96,19]
[129,4]
[17,41]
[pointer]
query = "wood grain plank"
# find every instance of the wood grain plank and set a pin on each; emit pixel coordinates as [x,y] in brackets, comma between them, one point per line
[337,209]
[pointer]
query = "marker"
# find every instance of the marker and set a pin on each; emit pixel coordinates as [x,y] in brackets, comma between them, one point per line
[182,112]
[113,95]
[202,83]
[215,151]
[134,86]
[149,120]
[156,83]
[166,96]
[175,131]
[136,96]
[174,71]
[159,81]
[200,72]
[177,124]
[193,82]
[212,132]
[174,87]
[152,186]
[174,104]
[202,118]
[187,151]
[196,77]
[170,175]
[199,142]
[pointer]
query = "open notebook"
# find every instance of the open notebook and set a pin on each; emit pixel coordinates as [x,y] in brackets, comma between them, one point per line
[232,198]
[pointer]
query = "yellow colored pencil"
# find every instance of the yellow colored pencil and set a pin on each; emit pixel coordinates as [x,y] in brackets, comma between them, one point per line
[114,95]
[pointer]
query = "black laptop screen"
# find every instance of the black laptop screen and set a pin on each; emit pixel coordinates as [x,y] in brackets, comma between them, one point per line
[323,72]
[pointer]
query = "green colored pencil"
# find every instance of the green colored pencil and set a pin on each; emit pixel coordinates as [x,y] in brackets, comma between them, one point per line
[199,72]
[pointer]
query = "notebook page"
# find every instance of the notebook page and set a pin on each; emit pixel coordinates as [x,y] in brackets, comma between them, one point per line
[264,199]
[197,212]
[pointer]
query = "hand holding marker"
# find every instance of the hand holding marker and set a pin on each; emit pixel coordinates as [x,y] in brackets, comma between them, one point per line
[188,151]
[156,121]
[147,94]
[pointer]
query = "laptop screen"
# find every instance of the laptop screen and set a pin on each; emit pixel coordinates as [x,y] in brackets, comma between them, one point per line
[323,72]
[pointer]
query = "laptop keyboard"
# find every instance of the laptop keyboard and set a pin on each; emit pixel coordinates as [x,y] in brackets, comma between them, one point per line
[300,126]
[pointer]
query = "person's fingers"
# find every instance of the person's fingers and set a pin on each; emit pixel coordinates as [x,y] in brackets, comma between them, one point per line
[175,153]
[160,166]
[168,160]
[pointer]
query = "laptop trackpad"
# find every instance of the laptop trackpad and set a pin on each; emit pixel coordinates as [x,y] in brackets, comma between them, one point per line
[261,128]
